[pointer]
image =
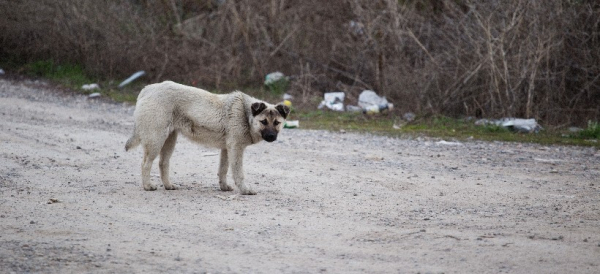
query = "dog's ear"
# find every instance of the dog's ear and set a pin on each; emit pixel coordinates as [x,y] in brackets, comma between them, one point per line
[257,108]
[283,110]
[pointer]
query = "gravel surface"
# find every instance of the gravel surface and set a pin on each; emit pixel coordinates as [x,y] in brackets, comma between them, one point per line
[71,200]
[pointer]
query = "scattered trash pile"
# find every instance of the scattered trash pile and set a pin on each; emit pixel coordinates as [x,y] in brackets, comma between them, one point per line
[368,102]
[513,124]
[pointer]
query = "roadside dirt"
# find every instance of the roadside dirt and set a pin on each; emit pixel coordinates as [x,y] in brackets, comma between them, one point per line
[71,201]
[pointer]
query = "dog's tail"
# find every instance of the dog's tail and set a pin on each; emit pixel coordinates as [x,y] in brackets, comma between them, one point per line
[133,141]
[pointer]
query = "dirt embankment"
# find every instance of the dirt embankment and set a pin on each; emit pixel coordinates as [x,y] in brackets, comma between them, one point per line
[327,202]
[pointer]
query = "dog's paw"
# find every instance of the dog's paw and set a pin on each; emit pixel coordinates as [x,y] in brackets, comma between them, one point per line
[226,188]
[171,187]
[149,188]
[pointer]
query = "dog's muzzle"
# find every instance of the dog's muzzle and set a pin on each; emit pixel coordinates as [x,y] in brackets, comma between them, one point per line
[269,136]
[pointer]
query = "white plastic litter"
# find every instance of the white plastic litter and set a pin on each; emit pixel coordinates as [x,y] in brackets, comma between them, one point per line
[94,95]
[372,103]
[273,77]
[287,97]
[368,98]
[1,71]
[521,125]
[514,124]
[90,86]
[291,124]
[333,101]
[132,78]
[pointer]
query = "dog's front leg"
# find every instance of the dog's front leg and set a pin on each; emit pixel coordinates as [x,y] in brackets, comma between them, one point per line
[223,167]
[236,159]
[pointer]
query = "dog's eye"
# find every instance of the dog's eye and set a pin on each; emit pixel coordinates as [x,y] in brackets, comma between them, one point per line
[264,122]
[276,123]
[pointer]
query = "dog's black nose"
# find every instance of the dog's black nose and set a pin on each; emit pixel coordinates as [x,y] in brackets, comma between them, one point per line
[270,137]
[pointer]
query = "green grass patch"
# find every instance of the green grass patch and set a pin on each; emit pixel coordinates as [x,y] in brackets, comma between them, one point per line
[70,75]
[335,121]
[436,127]
[123,95]
[591,132]
[278,87]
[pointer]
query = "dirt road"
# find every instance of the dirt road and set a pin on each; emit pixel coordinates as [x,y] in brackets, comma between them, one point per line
[327,202]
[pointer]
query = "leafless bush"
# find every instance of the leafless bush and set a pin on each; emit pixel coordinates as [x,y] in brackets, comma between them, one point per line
[521,58]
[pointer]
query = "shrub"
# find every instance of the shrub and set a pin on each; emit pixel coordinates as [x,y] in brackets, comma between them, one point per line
[591,132]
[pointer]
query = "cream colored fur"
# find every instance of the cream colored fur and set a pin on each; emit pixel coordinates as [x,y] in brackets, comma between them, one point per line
[223,121]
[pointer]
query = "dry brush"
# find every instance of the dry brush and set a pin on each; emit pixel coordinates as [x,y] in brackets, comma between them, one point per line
[538,59]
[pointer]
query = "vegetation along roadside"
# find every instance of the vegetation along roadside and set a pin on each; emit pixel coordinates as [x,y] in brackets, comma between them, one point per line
[391,124]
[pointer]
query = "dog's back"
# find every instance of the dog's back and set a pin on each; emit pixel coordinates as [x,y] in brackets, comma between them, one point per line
[168,106]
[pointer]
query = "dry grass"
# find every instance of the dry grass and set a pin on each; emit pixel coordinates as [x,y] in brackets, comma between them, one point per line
[538,59]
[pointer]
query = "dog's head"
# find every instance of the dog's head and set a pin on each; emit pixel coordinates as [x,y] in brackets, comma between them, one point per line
[269,119]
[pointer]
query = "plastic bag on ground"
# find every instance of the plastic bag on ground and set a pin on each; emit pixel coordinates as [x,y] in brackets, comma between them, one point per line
[333,101]
[372,103]
[514,124]
[369,98]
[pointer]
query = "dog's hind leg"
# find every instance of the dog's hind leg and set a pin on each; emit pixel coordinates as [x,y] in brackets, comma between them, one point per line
[223,167]
[165,155]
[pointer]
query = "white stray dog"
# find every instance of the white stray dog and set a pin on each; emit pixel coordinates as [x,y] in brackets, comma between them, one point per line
[230,122]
